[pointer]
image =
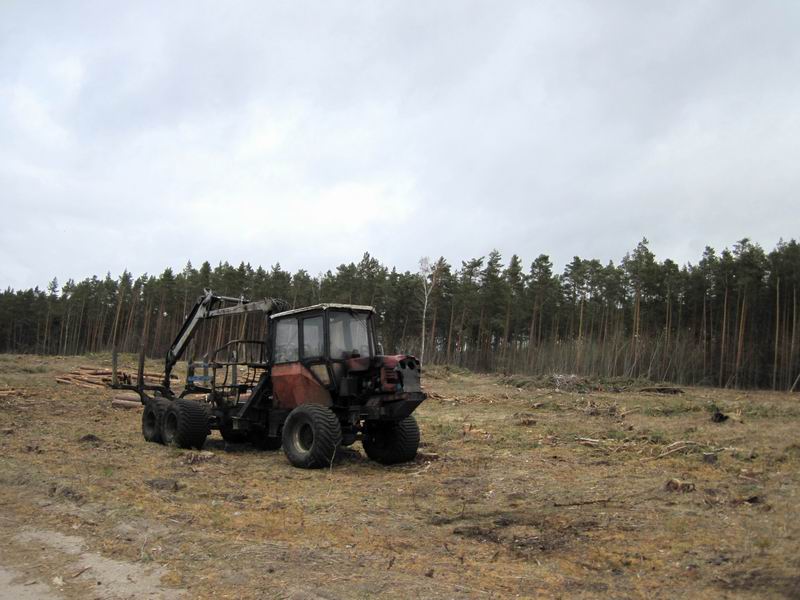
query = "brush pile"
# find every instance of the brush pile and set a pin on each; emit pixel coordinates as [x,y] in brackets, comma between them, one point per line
[570,383]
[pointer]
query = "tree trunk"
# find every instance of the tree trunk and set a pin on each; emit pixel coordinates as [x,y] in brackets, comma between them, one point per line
[432,335]
[506,328]
[532,332]
[777,333]
[794,325]
[704,337]
[63,332]
[722,338]
[479,345]
[460,340]
[78,329]
[117,314]
[636,308]
[424,314]
[740,345]
[450,329]
[580,339]
[46,345]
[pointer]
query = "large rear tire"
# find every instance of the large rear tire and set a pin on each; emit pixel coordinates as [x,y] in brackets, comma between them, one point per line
[311,436]
[152,417]
[392,443]
[185,424]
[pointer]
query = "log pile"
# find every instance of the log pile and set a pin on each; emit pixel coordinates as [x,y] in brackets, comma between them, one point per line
[126,400]
[5,393]
[87,378]
[95,377]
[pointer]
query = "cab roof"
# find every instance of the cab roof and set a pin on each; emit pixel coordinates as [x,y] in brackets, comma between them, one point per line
[324,306]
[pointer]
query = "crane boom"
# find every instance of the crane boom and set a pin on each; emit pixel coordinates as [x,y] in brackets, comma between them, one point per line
[208,307]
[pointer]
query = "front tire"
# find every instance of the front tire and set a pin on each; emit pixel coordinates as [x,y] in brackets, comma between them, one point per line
[185,424]
[311,436]
[392,443]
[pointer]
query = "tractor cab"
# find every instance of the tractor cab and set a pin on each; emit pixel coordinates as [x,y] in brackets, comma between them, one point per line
[328,354]
[334,332]
[310,348]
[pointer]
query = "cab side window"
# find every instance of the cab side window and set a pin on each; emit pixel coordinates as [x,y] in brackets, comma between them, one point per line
[286,344]
[313,340]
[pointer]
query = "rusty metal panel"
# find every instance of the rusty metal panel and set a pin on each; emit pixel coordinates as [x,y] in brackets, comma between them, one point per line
[293,385]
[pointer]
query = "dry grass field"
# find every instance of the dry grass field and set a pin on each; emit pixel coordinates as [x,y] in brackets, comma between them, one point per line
[520,491]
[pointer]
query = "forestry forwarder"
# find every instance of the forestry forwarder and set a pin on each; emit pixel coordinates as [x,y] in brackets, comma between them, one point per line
[318,381]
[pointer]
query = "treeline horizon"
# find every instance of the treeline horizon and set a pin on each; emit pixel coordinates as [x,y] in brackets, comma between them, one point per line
[730,320]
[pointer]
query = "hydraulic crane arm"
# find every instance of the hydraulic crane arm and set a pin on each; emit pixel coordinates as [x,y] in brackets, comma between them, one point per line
[209,306]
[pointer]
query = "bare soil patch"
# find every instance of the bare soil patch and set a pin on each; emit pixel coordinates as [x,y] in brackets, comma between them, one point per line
[520,491]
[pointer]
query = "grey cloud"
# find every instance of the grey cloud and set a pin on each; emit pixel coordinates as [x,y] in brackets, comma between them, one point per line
[566,128]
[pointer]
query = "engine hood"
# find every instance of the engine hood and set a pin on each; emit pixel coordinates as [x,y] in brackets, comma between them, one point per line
[365,363]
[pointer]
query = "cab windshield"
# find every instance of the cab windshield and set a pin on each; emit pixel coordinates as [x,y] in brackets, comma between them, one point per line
[349,335]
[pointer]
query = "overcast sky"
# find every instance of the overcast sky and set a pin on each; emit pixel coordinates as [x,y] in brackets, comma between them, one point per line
[141,135]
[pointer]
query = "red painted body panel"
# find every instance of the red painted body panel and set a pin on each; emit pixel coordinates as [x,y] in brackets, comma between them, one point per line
[293,385]
[356,365]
